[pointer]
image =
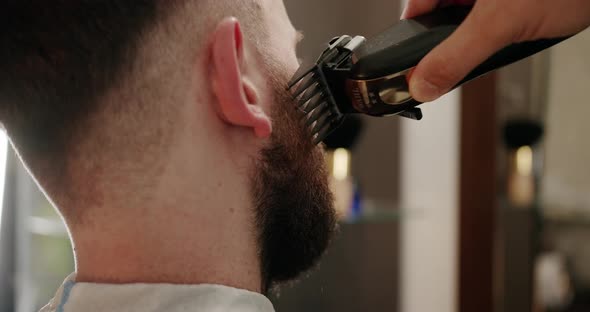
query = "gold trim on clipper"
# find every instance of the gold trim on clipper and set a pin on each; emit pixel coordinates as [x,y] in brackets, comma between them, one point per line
[391,90]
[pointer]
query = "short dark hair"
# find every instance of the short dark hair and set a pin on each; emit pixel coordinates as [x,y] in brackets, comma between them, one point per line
[56,60]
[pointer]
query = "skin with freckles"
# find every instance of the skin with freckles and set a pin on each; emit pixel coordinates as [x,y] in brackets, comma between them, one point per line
[492,25]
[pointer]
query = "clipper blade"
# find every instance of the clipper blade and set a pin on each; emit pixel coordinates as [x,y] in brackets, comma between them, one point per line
[320,114]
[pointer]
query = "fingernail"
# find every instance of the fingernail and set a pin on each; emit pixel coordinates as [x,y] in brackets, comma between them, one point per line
[424,91]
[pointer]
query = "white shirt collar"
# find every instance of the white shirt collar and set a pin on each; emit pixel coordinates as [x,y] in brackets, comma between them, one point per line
[88,297]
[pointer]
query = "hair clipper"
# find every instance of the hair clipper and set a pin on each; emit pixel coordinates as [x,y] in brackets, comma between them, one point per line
[356,75]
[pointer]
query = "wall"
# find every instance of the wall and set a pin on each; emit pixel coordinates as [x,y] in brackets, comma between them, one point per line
[429,194]
[566,185]
[429,191]
[566,180]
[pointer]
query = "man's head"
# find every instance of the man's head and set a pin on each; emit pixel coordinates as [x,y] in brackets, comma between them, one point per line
[172,114]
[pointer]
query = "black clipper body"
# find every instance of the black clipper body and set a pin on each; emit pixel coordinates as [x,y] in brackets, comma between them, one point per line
[355,75]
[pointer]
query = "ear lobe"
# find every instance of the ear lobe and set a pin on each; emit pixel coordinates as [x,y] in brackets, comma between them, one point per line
[238,99]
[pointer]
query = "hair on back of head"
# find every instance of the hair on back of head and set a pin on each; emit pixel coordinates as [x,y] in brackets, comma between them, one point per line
[57,59]
[83,82]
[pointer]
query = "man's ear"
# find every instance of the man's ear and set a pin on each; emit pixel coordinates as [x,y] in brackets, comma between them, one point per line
[239,101]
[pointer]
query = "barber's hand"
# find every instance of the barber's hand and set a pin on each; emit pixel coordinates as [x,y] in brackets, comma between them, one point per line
[491,26]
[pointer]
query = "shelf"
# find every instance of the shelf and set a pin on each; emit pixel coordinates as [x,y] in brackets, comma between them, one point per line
[566,217]
[382,215]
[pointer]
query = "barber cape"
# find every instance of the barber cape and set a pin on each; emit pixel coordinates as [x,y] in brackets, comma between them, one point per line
[89,297]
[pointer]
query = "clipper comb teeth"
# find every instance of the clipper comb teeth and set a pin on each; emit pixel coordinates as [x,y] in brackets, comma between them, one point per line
[320,114]
[310,88]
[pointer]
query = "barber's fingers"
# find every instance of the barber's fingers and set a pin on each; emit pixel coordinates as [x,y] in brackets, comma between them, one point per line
[474,41]
[419,7]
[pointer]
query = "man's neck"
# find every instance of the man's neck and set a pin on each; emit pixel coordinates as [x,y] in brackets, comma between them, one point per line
[186,233]
[194,225]
[187,252]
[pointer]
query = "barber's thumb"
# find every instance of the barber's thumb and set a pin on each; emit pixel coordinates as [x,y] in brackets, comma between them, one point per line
[447,64]
[438,72]
[424,89]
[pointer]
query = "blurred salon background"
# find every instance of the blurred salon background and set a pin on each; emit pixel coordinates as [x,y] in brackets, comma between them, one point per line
[484,205]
